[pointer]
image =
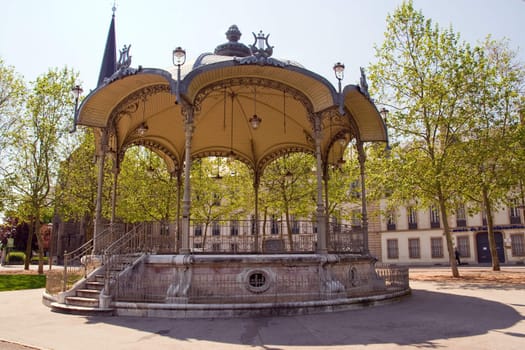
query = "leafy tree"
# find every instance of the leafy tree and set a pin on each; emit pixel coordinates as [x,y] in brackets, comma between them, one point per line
[38,143]
[496,103]
[146,191]
[423,74]
[343,185]
[76,186]
[220,188]
[287,185]
[12,95]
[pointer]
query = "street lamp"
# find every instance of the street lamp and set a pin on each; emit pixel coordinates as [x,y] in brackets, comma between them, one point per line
[339,70]
[76,91]
[178,57]
[384,113]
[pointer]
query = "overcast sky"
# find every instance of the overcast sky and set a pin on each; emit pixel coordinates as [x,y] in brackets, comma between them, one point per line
[36,34]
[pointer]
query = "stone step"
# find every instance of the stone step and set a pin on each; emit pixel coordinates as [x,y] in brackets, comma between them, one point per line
[82,301]
[96,285]
[81,310]
[88,293]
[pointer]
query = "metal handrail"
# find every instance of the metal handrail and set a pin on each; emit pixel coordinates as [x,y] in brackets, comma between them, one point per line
[76,261]
[116,256]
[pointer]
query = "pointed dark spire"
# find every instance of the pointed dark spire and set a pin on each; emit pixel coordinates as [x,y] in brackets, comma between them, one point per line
[109,61]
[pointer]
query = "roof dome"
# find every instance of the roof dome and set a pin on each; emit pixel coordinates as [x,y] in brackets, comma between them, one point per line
[233,47]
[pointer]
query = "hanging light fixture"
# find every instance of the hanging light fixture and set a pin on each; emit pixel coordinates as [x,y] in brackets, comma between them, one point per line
[143,127]
[255,121]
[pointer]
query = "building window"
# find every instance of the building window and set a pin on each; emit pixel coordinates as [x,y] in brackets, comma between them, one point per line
[215,228]
[461,217]
[413,248]
[234,227]
[197,230]
[294,225]
[253,225]
[392,249]
[436,246]
[274,226]
[391,221]
[355,189]
[216,247]
[464,246]
[356,218]
[412,218]
[517,244]
[514,210]
[434,217]
[217,199]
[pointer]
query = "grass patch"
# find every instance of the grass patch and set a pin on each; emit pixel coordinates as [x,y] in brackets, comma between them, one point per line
[19,282]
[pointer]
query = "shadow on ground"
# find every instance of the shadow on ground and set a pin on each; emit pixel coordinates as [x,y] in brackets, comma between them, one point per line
[418,320]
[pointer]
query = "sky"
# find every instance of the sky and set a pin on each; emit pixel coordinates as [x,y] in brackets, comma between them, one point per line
[36,35]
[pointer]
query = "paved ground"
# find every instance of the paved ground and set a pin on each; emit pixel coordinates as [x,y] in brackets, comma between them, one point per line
[459,314]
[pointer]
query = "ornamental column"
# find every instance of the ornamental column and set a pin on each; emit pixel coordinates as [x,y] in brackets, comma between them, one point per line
[186,200]
[364,214]
[101,156]
[320,211]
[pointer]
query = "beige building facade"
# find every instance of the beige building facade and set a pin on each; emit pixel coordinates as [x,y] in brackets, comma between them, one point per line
[412,236]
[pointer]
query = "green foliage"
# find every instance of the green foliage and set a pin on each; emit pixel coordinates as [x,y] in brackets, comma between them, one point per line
[146,191]
[39,139]
[77,181]
[12,95]
[19,282]
[426,74]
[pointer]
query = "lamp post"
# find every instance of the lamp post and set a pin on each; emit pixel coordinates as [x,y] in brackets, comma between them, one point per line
[76,91]
[384,114]
[179,58]
[339,70]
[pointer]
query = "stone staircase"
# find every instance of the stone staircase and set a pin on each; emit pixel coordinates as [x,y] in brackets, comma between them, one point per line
[85,300]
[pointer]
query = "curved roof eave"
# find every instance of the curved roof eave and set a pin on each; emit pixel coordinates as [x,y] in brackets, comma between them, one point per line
[316,88]
[371,126]
[96,108]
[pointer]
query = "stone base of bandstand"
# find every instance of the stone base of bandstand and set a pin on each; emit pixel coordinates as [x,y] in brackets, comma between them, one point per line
[186,286]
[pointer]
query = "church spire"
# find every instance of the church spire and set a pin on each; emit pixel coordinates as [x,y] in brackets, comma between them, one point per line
[109,61]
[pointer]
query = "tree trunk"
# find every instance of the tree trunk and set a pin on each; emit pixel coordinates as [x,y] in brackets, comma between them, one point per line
[29,245]
[448,237]
[289,229]
[490,228]
[40,242]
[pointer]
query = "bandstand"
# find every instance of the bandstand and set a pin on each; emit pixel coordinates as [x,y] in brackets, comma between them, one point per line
[242,103]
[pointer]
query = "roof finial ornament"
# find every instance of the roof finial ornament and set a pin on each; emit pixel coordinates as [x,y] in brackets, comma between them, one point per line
[114,8]
[363,85]
[260,47]
[124,60]
[261,52]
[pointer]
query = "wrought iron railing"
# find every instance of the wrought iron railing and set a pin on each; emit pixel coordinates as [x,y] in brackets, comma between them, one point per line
[355,280]
[124,252]
[238,237]
[80,262]
[396,277]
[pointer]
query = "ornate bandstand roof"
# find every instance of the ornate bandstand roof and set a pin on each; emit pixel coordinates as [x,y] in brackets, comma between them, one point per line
[225,90]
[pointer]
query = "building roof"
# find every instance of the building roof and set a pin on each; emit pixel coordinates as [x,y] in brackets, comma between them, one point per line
[225,90]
